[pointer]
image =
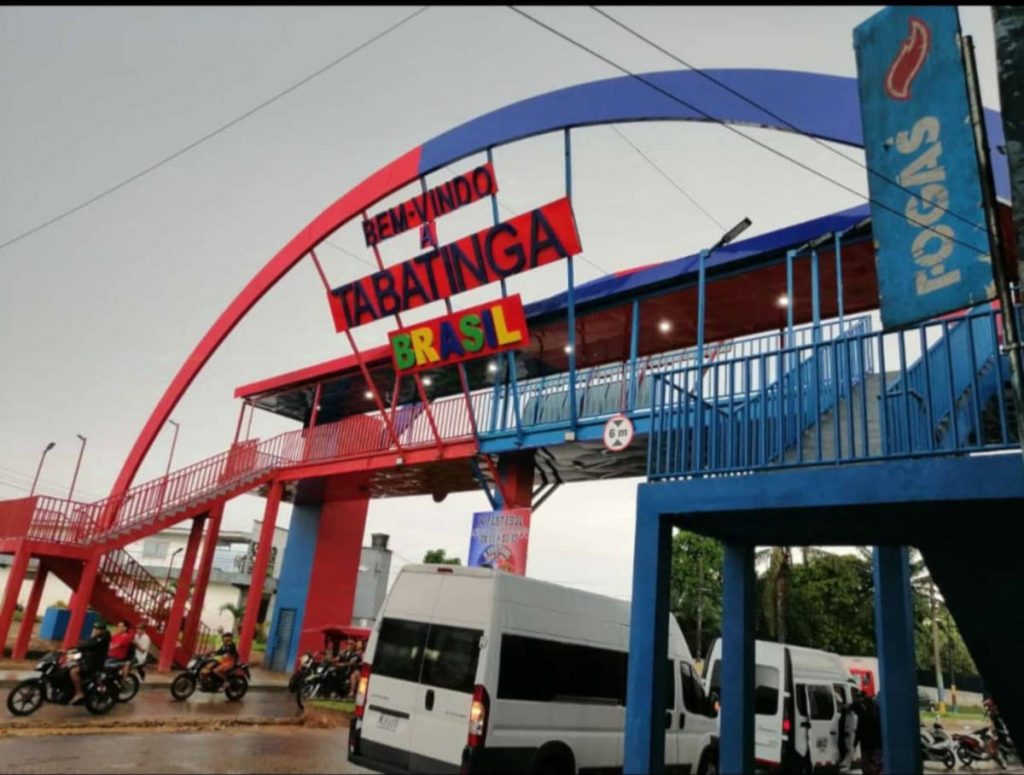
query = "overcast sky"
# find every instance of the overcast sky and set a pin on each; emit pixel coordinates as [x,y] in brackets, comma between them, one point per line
[99,310]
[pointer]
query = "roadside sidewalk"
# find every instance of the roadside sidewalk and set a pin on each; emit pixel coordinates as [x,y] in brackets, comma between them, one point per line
[13,672]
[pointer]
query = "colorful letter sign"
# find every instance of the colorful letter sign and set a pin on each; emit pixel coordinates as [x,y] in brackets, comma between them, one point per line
[500,540]
[463,190]
[931,238]
[527,241]
[471,333]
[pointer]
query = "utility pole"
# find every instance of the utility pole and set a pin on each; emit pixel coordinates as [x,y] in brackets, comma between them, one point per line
[700,607]
[935,641]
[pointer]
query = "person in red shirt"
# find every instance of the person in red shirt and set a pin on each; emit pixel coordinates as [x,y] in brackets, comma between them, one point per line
[121,645]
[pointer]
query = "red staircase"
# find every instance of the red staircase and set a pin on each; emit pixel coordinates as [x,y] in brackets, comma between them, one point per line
[64,532]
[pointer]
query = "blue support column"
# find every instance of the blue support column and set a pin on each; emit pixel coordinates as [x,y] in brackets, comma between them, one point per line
[894,634]
[839,279]
[571,299]
[815,299]
[736,752]
[648,642]
[698,431]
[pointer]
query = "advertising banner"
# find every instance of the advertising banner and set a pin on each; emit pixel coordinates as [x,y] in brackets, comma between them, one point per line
[500,539]
[470,333]
[931,238]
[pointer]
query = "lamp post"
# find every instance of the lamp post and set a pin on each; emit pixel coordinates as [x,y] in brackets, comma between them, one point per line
[39,468]
[170,457]
[170,565]
[728,237]
[81,451]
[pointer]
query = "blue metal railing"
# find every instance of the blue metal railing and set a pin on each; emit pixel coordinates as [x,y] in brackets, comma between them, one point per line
[835,401]
[605,390]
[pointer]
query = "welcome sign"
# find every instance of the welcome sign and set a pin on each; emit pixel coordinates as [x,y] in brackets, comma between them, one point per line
[470,333]
[499,539]
[538,237]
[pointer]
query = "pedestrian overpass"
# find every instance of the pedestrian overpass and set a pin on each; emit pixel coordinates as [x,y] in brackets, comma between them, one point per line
[756,424]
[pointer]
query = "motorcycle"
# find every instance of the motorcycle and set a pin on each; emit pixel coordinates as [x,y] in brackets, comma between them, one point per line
[937,746]
[979,746]
[324,681]
[306,663]
[234,685]
[54,685]
[131,681]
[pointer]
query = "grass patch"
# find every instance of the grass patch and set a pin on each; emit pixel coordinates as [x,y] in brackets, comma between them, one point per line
[970,716]
[337,705]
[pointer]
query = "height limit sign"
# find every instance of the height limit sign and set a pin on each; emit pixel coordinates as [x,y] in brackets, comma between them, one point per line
[618,433]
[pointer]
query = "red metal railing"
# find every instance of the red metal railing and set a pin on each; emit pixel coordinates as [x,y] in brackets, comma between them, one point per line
[144,593]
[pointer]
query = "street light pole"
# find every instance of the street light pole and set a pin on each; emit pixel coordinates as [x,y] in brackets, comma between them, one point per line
[39,468]
[174,441]
[74,478]
[170,565]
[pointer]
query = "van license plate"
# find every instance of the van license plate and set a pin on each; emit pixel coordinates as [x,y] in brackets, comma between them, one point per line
[387,723]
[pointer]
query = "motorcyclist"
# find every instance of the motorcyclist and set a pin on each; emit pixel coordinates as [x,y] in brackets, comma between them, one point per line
[94,654]
[121,646]
[227,658]
[355,662]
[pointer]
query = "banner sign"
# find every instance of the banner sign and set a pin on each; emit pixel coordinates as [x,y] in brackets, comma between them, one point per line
[500,540]
[470,333]
[441,200]
[535,238]
[931,239]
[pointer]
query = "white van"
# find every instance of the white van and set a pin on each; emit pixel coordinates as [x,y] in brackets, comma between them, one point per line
[802,698]
[475,670]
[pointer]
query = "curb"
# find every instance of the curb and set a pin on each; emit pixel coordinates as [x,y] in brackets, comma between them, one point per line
[100,726]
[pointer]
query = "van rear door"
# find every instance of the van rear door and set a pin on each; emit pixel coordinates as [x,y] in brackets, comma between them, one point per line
[393,691]
[769,695]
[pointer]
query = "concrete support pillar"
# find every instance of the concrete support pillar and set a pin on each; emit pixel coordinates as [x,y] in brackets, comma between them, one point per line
[14,579]
[897,664]
[80,602]
[195,613]
[737,701]
[516,471]
[259,570]
[28,620]
[339,546]
[173,625]
[648,644]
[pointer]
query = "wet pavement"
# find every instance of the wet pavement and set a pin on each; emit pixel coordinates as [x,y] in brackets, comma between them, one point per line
[157,703]
[267,749]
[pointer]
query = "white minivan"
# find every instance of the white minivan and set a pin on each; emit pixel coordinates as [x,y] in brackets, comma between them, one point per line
[476,670]
[802,699]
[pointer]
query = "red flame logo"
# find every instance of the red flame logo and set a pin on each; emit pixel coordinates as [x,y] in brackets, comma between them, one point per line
[909,60]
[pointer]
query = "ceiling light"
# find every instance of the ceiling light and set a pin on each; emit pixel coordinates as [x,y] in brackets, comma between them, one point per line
[367,394]
[427,381]
[665,326]
[492,367]
[568,349]
[783,300]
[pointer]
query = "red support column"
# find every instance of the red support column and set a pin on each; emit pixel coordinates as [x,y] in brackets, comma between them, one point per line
[173,625]
[28,620]
[339,546]
[259,570]
[14,579]
[80,602]
[195,613]
[516,471]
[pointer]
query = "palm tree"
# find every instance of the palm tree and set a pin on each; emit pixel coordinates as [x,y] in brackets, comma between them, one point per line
[776,587]
[237,612]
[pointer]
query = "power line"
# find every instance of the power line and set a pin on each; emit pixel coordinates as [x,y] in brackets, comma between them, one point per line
[779,118]
[765,146]
[665,175]
[212,134]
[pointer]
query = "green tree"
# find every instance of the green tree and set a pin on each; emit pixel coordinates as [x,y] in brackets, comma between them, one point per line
[440,557]
[831,605]
[237,611]
[695,594]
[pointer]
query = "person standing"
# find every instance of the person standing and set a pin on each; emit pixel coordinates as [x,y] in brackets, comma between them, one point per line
[869,735]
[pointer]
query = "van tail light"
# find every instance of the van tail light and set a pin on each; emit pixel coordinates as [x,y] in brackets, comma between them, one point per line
[362,689]
[787,726]
[478,712]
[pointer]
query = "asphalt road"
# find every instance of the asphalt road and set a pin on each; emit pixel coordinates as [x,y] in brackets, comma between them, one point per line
[267,750]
